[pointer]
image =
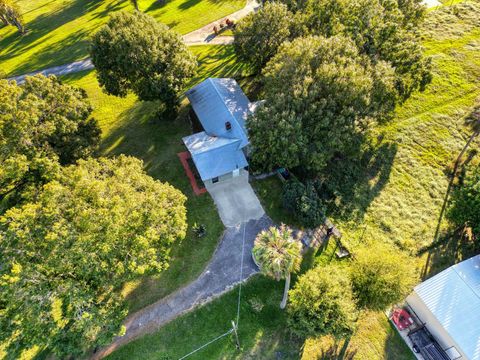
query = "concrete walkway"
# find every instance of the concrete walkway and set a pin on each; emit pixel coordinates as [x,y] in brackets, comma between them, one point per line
[205,35]
[202,36]
[221,275]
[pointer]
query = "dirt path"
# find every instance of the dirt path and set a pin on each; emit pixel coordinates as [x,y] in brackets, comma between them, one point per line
[221,274]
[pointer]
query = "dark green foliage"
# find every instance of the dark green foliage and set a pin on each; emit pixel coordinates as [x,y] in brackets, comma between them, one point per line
[133,52]
[43,124]
[381,276]
[385,30]
[321,94]
[66,255]
[321,303]
[465,201]
[259,35]
[304,203]
[200,230]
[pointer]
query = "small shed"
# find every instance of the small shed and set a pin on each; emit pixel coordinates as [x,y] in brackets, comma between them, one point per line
[448,304]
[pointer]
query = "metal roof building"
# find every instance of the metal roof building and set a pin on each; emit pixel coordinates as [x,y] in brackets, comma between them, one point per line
[222,108]
[449,305]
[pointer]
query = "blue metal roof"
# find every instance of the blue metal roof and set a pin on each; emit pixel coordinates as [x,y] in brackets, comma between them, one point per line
[453,297]
[218,101]
[201,142]
[215,161]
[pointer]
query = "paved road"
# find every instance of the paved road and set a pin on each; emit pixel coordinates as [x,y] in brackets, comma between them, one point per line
[221,275]
[205,35]
[201,36]
[58,70]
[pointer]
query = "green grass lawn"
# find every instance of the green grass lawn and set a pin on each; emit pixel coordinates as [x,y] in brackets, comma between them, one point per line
[429,132]
[262,330]
[59,30]
[128,127]
[400,207]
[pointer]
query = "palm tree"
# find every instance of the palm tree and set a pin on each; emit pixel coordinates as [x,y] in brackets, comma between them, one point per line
[278,255]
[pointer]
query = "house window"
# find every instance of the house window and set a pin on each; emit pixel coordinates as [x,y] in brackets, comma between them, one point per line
[215,180]
[228,125]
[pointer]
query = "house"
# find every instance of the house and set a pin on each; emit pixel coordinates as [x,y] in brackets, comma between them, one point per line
[219,152]
[448,306]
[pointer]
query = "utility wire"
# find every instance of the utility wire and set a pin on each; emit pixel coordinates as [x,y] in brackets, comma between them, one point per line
[241,276]
[235,325]
[205,345]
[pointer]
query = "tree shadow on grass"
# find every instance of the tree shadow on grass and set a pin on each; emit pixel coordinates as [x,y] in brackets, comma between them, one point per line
[350,184]
[451,247]
[42,25]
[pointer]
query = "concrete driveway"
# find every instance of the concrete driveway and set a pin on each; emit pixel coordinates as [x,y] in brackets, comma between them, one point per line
[236,201]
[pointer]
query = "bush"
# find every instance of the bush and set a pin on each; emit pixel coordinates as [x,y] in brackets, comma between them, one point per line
[321,303]
[380,277]
[304,203]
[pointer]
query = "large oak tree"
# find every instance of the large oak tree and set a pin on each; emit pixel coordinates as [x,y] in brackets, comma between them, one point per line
[66,254]
[43,124]
[259,35]
[321,95]
[133,52]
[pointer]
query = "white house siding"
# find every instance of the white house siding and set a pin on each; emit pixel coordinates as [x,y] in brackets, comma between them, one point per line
[432,324]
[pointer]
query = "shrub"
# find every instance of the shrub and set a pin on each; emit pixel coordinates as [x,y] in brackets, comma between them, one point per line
[321,303]
[303,201]
[380,277]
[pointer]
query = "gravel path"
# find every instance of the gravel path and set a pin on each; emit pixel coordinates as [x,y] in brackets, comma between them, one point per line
[202,36]
[221,275]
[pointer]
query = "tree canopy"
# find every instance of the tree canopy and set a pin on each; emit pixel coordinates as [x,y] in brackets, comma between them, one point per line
[321,95]
[259,35]
[321,303]
[464,207]
[380,277]
[385,30]
[43,124]
[133,52]
[66,254]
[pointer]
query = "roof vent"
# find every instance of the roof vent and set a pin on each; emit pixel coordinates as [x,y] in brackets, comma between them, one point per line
[228,125]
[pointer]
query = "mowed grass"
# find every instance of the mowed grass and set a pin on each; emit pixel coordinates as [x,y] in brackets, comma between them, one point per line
[262,329]
[129,127]
[59,31]
[428,132]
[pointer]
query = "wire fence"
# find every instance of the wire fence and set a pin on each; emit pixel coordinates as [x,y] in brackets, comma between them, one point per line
[234,324]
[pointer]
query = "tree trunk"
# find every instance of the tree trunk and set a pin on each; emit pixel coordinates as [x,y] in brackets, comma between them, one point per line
[283,304]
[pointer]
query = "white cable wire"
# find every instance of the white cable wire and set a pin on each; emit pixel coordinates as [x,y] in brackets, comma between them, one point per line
[241,276]
[205,345]
[238,304]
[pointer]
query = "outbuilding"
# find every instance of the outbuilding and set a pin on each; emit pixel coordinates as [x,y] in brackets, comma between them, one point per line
[448,306]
